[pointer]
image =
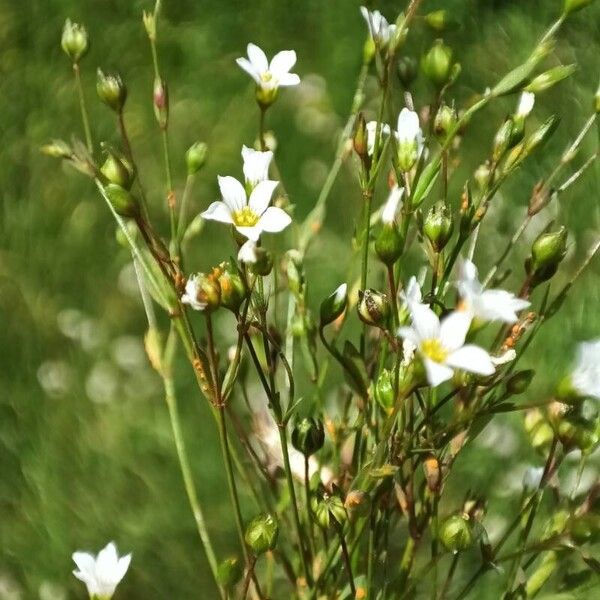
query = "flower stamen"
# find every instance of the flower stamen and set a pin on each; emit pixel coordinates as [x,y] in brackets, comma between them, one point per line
[245,217]
[434,350]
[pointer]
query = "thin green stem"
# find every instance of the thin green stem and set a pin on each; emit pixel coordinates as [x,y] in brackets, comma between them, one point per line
[83,108]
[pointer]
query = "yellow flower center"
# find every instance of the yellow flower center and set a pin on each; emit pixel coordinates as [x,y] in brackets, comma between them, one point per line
[266,76]
[434,350]
[245,217]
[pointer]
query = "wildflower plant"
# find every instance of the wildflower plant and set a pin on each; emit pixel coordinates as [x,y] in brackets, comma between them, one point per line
[349,487]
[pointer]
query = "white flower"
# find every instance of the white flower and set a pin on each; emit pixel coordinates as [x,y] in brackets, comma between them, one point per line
[441,345]
[412,294]
[270,76]
[101,574]
[532,478]
[392,205]
[247,253]
[256,165]
[190,296]
[249,215]
[585,377]
[488,305]
[525,106]
[380,30]
[409,129]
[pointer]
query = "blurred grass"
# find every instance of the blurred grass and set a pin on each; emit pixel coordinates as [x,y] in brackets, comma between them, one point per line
[86,453]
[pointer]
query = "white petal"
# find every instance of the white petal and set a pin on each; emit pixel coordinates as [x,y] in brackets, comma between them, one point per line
[107,558]
[122,567]
[526,102]
[473,359]
[247,253]
[412,293]
[408,126]
[245,64]
[392,205]
[260,197]
[425,322]
[256,164]
[288,80]
[436,372]
[232,192]
[252,233]
[258,58]
[454,328]
[498,305]
[467,271]
[408,333]
[85,562]
[274,220]
[282,62]
[218,211]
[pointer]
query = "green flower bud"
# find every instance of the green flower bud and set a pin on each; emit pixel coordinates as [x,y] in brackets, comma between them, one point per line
[438,225]
[384,390]
[549,249]
[437,19]
[519,382]
[230,572]
[540,136]
[329,511]
[456,533]
[445,120]
[407,70]
[150,25]
[550,78]
[334,305]
[357,504]
[359,140]
[195,157]
[389,244]
[117,169]
[74,40]
[437,63]
[572,6]
[261,533]
[233,289]
[57,149]
[124,203]
[161,102]
[373,308]
[483,175]
[503,140]
[111,90]
[308,436]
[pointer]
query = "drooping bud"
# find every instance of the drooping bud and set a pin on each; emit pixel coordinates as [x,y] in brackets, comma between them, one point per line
[161,102]
[357,504]
[548,250]
[373,308]
[438,225]
[503,140]
[445,120]
[74,40]
[233,289]
[57,149]
[111,90]
[437,63]
[124,203]
[308,436]
[519,382]
[230,572]
[384,390]
[437,19]
[334,305]
[572,6]
[433,473]
[195,157]
[456,533]
[407,70]
[329,511]
[261,533]
[117,169]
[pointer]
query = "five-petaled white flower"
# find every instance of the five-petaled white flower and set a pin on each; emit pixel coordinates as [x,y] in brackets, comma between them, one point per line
[585,377]
[269,76]
[379,28]
[250,215]
[487,305]
[392,205]
[256,165]
[441,345]
[101,574]
[525,106]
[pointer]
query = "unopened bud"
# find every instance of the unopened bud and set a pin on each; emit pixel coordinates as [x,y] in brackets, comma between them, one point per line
[329,511]
[161,102]
[334,305]
[483,175]
[261,533]
[117,169]
[445,120]
[357,504]
[519,382]
[437,20]
[74,40]
[150,25]
[438,225]
[572,6]
[384,390]
[195,157]
[539,137]
[437,63]
[111,90]
[57,149]
[407,70]
[549,249]
[540,196]
[456,533]
[503,140]
[124,203]
[308,436]
[230,572]
[360,138]
[550,78]
[389,244]
[233,289]
[433,473]
[373,308]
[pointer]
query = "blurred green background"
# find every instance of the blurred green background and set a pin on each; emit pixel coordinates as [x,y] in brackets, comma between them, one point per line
[86,453]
